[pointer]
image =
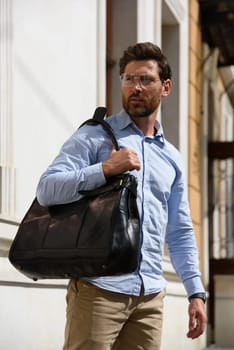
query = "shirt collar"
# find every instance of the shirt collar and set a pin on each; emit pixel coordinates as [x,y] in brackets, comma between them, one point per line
[124,121]
[160,134]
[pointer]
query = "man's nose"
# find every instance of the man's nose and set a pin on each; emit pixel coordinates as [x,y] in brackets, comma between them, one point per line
[137,84]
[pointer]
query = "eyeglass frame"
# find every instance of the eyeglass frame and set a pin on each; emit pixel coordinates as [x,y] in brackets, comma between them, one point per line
[132,82]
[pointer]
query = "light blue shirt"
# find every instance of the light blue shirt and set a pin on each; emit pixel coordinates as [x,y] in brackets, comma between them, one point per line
[162,200]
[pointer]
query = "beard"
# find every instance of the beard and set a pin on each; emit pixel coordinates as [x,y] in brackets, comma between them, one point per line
[141,109]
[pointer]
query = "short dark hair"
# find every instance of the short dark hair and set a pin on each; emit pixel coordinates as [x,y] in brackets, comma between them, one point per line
[146,51]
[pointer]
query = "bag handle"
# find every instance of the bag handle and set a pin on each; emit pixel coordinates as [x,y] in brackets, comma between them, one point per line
[98,118]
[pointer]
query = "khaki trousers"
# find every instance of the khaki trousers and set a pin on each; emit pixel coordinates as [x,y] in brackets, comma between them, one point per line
[98,319]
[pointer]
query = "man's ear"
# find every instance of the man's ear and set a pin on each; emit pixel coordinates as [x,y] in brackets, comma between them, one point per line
[166,89]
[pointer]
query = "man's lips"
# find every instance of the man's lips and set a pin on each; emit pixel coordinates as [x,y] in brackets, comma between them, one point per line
[134,99]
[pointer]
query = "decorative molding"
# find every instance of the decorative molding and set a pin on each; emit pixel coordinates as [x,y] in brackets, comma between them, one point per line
[7,193]
[9,221]
[4,247]
[6,81]
[149,20]
[178,8]
[33,285]
[7,173]
[101,53]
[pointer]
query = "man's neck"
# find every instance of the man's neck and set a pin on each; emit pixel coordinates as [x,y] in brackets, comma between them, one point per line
[146,125]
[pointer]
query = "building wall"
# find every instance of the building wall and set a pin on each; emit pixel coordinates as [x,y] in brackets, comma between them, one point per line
[52,72]
[224,309]
[195,101]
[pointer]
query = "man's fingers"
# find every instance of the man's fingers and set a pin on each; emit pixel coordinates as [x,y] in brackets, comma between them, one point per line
[120,161]
[197,319]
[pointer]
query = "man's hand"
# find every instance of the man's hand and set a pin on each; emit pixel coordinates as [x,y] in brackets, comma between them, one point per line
[197,318]
[121,161]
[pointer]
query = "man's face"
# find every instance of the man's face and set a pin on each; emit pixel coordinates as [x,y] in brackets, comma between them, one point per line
[142,88]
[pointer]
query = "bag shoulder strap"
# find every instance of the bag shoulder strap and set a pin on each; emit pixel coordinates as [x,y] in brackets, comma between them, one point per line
[98,118]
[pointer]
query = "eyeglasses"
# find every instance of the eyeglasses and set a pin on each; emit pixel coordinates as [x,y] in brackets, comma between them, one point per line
[130,80]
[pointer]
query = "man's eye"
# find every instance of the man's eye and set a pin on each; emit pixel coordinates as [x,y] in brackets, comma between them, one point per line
[128,78]
[145,79]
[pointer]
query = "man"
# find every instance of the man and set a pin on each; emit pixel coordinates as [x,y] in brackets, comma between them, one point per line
[125,312]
